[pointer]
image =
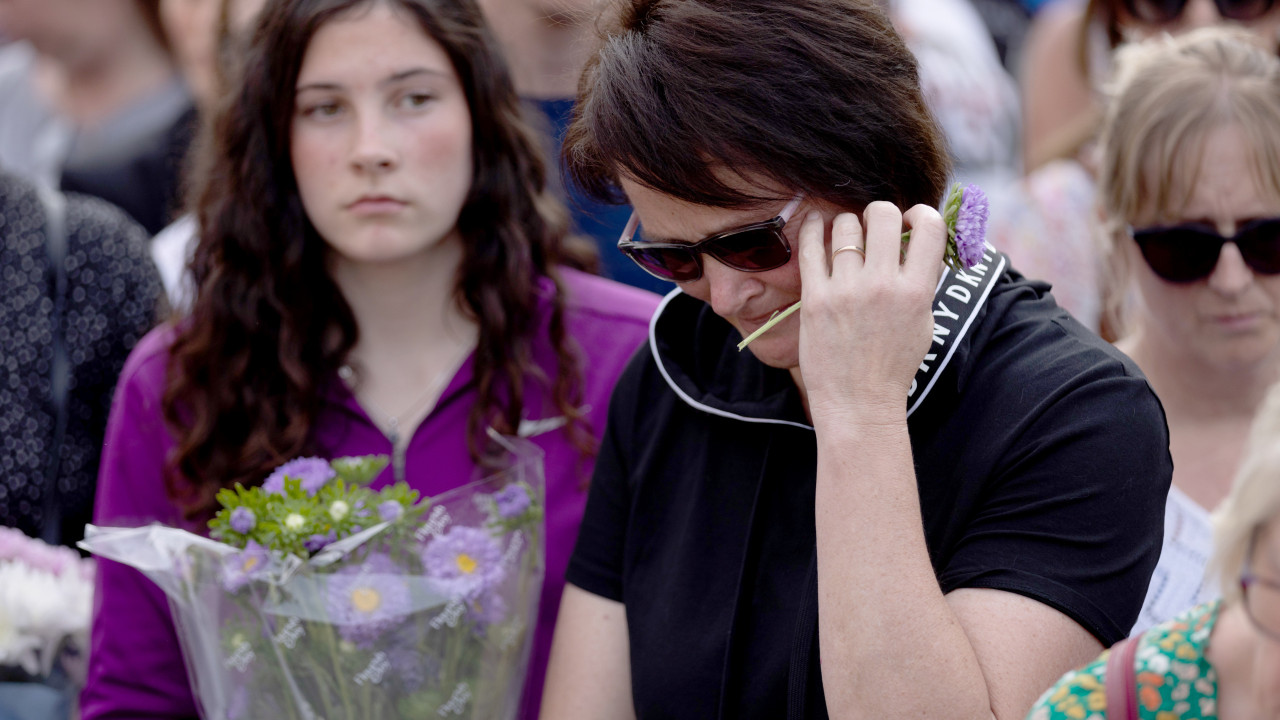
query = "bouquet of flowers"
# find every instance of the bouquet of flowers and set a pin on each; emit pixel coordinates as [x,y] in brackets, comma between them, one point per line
[46,605]
[318,597]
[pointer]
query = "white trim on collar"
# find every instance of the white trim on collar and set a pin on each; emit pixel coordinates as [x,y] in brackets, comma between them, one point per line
[985,281]
[653,348]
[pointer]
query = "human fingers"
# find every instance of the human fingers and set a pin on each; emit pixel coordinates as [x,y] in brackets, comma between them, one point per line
[883,231]
[928,244]
[847,243]
[813,254]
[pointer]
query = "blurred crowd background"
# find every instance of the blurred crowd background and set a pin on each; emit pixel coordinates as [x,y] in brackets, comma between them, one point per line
[102,103]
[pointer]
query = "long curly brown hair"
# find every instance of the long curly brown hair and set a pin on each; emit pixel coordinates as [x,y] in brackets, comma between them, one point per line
[270,327]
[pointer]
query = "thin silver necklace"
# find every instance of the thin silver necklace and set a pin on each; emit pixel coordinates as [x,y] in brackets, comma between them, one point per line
[390,425]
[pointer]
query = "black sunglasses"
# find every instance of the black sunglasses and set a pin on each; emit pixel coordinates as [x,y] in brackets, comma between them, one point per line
[1186,253]
[1160,12]
[751,248]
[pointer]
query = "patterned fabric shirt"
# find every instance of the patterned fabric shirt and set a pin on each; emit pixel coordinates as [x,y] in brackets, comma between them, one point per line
[111,297]
[1174,678]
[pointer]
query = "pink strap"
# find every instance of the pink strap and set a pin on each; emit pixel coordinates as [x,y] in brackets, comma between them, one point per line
[1121,681]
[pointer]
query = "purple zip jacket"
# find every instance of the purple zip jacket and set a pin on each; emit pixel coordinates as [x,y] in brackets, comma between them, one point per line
[136,668]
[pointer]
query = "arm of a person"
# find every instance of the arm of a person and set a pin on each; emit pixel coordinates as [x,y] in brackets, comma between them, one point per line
[1010,634]
[886,630]
[136,667]
[590,671]
[1059,112]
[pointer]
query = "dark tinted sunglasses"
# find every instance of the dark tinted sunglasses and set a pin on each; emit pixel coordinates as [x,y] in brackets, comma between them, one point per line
[1186,253]
[1159,12]
[751,248]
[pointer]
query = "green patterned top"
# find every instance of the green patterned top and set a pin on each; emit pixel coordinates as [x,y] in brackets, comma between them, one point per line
[1175,679]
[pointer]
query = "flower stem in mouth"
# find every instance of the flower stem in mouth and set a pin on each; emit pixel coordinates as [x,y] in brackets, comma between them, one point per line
[777,318]
[965,213]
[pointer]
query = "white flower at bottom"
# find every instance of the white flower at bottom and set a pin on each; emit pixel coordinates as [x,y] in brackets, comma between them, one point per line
[8,636]
[38,612]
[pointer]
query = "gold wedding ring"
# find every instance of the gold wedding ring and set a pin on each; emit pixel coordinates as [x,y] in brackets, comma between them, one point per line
[854,248]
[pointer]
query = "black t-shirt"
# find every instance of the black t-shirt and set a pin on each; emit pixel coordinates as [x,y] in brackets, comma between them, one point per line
[1042,463]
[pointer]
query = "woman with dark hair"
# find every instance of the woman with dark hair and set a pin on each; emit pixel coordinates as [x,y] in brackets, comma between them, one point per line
[925,494]
[380,270]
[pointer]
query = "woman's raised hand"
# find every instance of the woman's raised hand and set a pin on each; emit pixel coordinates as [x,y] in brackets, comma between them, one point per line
[866,320]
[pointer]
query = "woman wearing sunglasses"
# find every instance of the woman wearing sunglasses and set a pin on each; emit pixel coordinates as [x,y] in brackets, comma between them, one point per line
[1047,222]
[1190,182]
[1219,660]
[1068,57]
[926,494]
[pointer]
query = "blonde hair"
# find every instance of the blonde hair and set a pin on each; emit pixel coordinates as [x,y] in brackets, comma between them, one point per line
[1254,499]
[1167,95]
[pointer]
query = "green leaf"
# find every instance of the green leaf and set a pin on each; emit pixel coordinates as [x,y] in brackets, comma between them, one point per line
[359,470]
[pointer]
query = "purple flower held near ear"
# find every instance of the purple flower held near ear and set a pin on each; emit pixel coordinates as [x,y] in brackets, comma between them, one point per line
[243,520]
[313,472]
[971,226]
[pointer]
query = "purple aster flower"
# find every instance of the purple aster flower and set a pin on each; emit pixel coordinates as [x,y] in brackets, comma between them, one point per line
[971,225]
[317,542]
[248,564]
[368,599]
[488,609]
[390,511]
[243,520]
[464,562]
[512,500]
[313,472]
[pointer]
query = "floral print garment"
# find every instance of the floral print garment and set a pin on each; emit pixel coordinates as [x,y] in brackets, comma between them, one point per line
[1175,680]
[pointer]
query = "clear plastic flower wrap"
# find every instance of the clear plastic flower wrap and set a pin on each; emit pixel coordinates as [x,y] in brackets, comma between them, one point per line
[325,599]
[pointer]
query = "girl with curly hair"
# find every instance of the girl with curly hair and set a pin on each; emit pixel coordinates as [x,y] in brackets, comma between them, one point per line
[380,270]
